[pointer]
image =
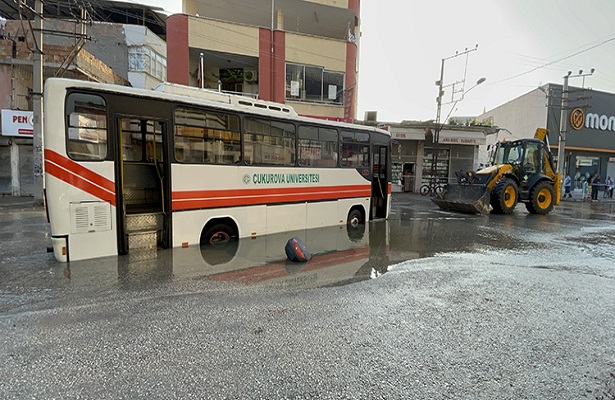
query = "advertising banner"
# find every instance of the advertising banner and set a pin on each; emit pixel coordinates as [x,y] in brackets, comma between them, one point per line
[17,123]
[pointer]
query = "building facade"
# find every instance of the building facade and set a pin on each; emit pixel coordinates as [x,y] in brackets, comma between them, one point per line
[303,53]
[590,121]
[116,53]
[413,161]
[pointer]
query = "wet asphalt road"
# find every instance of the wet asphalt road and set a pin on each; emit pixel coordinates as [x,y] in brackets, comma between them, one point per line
[430,305]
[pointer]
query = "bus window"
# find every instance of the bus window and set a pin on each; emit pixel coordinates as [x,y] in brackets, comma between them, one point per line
[134,142]
[317,147]
[269,142]
[87,127]
[355,149]
[206,137]
[132,139]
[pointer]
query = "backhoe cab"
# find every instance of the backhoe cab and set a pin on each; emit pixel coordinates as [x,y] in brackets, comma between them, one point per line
[522,171]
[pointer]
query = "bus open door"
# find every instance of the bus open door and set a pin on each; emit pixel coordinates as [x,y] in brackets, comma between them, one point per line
[380,182]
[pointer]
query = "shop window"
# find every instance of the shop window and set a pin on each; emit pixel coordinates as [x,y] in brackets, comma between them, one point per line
[144,59]
[441,167]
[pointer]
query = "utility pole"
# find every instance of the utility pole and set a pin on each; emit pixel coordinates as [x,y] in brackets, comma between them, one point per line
[37,103]
[436,136]
[561,147]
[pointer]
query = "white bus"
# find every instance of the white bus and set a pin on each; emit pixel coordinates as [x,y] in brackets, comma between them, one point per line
[128,169]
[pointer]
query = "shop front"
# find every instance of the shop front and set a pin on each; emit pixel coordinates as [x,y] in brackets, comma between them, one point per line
[413,150]
[590,139]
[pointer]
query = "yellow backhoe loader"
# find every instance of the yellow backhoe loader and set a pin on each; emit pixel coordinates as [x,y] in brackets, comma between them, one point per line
[522,171]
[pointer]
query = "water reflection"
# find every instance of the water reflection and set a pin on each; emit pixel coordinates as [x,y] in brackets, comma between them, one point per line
[340,256]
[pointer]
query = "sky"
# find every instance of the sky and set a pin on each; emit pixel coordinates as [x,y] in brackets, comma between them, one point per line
[522,44]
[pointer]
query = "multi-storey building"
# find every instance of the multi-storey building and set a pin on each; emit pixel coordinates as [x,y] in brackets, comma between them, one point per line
[76,44]
[303,53]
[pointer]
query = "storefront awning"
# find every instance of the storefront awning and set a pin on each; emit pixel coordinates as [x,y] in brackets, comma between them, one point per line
[407,133]
[448,136]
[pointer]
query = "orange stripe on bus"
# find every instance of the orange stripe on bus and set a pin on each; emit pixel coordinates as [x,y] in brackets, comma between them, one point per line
[217,198]
[79,170]
[192,194]
[78,182]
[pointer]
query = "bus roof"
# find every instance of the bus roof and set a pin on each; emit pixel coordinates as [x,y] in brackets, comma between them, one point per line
[205,97]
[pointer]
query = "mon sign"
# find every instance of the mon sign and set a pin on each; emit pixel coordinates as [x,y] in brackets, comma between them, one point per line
[578,120]
[17,123]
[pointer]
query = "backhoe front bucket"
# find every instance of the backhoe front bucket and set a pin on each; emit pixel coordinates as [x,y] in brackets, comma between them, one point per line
[471,199]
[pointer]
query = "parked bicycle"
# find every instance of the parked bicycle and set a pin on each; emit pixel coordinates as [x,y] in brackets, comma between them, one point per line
[431,189]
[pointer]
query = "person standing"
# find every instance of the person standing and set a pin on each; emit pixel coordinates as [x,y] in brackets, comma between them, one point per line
[609,184]
[567,184]
[595,185]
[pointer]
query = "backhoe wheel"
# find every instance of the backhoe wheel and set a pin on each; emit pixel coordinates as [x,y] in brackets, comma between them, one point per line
[504,196]
[542,198]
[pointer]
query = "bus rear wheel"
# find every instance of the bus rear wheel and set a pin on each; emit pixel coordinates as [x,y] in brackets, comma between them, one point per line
[355,225]
[355,218]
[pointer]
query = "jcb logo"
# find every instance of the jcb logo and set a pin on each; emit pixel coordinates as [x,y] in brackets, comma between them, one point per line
[577,118]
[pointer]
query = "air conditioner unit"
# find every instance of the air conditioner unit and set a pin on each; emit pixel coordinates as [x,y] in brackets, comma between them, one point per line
[250,75]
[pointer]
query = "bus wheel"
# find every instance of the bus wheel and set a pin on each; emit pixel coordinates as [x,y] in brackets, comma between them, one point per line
[217,235]
[355,218]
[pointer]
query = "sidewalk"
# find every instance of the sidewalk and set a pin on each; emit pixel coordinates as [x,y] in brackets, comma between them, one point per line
[16,202]
[578,195]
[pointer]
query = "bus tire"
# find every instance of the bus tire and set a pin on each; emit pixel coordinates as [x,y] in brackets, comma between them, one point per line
[218,235]
[355,218]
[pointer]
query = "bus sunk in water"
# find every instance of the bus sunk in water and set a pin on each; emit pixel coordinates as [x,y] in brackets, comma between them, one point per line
[128,169]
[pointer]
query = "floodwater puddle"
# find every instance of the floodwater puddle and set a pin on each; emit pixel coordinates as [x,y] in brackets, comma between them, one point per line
[339,256]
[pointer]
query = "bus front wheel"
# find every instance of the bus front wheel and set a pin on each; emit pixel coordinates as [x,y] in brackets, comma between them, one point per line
[217,235]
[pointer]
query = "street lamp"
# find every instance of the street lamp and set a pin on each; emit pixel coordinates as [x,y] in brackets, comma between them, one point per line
[478,82]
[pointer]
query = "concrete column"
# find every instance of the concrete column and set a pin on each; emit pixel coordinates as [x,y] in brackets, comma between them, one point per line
[279,20]
[420,155]
[15,183]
